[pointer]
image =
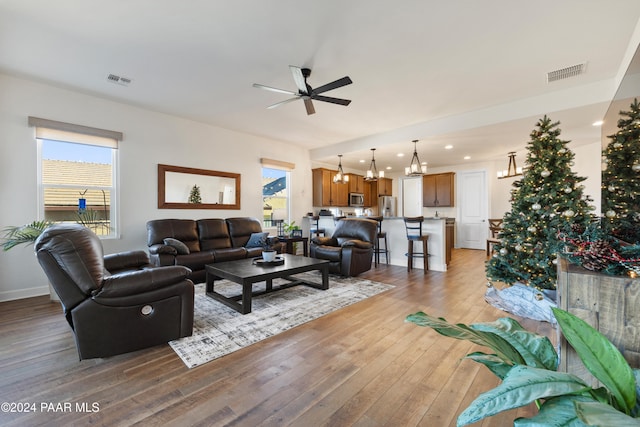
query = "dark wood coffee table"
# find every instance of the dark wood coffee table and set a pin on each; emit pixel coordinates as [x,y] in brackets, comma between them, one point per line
[245,272]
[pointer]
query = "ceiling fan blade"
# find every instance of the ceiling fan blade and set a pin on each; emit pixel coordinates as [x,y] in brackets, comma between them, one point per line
[332,100]
[309,105]
[286,101]
[298,78]
[333,85]
[273,89]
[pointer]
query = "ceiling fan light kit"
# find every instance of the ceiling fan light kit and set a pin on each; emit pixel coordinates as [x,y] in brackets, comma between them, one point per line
[306,92]
[512,169]
[415,168]
[340,177]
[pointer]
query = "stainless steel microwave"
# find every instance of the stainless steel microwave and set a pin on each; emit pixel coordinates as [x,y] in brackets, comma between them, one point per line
[356,199]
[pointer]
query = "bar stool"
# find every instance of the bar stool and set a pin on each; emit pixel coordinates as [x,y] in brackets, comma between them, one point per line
[495,227]
[381,235]
[315,227]
[413,226]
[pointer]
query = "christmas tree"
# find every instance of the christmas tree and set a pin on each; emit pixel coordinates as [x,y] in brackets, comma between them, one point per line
[621,178]
[549,198]
[194,196]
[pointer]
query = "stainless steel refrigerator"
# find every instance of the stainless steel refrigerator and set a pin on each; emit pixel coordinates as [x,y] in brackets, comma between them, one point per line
[387,206]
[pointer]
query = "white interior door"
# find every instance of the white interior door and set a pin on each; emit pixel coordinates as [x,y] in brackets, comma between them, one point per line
[472,206]
[412,197]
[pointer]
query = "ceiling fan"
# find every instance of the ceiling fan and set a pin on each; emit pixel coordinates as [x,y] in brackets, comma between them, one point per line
[306,92]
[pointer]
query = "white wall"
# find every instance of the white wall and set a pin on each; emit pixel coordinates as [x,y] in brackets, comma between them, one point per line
[149,138]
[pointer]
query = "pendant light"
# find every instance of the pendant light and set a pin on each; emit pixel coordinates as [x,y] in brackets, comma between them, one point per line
[340,177]
[372,173]
[415,168]
[512,169]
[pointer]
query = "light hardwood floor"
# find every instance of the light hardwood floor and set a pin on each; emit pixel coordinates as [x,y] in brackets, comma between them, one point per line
[360,366]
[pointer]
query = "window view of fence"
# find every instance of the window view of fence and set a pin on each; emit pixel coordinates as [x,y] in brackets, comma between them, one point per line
[275,197]
[78,184]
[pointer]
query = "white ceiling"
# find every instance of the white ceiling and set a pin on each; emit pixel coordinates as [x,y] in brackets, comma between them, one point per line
[465,72]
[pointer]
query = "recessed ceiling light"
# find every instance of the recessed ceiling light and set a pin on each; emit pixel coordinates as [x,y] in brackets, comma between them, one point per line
[400,154]
[448,147]
[388,168]
[598,123]
[361,160]
[467,157]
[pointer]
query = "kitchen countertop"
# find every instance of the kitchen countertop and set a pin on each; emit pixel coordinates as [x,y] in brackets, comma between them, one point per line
[386,217]
[396,237]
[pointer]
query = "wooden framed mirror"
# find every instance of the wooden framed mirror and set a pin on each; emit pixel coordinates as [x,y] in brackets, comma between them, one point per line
[190,188]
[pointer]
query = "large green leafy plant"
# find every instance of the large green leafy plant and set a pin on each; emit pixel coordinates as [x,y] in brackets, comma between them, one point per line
[527,365]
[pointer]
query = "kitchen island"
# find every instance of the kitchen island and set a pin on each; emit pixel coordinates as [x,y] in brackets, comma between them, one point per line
[435,227]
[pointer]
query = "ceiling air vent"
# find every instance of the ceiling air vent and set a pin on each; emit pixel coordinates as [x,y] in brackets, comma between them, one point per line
[124,81]
[565,73]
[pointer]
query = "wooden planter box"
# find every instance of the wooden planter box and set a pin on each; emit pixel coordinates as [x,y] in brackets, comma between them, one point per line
[611,304]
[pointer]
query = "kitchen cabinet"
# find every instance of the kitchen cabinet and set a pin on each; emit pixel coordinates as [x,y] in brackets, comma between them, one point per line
[356,183]
[385,187]
[449,238]
[326,192]
[370,199]
[437,190]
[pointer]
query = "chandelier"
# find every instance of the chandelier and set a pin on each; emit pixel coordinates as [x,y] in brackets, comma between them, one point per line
[415,168]
[372,173]
[340,177]
[512,169]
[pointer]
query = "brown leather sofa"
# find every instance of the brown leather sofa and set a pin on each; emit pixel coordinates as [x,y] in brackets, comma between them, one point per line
[207,241]
[115,303]
[349,249]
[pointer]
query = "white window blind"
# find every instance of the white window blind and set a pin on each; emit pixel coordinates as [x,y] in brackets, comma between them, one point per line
[277,164]
[68,132]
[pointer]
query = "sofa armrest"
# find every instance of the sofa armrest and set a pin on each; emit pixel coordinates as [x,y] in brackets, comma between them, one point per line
[324,241]
[160,248]
[140,281]
[126,260]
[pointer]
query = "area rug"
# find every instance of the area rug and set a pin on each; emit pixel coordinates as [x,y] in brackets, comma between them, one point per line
[219,330]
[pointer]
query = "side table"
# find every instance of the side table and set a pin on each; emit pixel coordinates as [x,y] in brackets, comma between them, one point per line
[291,240]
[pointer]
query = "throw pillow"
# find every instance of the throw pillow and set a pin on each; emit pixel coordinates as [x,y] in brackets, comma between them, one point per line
[180,247]
[257,240]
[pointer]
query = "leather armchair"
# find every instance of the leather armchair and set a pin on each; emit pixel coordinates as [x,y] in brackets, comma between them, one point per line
[349,249]
[116,303]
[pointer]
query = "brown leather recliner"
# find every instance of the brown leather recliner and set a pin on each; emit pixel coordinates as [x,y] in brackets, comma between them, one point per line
[116,303]
[349,249]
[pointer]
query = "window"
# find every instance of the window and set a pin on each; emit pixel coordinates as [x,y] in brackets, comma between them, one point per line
[77,176]
[275,196]
[276,192]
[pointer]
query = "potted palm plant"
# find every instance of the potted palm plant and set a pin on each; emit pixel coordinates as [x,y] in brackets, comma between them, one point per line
[23,234]
[26,235]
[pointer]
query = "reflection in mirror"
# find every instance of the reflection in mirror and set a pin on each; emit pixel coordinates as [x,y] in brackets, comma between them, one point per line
[190,188]
[621,158]
[628,90]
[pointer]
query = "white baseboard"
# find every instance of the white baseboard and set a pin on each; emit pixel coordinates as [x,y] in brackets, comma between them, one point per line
[24,293]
